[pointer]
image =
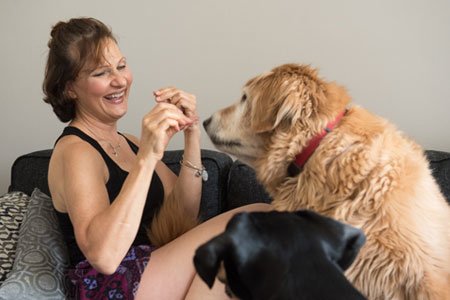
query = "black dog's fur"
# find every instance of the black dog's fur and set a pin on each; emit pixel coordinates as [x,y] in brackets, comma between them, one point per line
[281,255]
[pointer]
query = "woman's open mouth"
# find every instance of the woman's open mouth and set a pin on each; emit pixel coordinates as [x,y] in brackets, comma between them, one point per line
[116,98]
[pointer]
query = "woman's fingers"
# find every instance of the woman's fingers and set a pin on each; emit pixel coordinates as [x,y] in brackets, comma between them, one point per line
[181,99]
[158,127]
[183,104]
[165,94]
[165,111]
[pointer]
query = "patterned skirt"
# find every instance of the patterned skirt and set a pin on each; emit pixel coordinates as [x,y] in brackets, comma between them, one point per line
[123,284]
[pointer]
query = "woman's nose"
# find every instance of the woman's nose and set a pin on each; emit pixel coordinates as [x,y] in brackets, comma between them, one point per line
[119,79]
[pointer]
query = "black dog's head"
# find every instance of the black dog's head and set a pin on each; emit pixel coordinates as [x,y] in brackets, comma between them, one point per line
[282,255]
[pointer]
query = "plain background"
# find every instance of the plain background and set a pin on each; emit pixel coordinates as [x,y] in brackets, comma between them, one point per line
[392,55]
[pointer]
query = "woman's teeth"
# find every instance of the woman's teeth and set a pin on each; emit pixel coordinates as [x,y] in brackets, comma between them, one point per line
[115,96]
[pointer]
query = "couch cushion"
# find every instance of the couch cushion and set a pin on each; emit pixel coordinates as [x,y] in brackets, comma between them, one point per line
[41,256]
[440,165]
[30,171]
[12,210]
[243,187]
[214,190]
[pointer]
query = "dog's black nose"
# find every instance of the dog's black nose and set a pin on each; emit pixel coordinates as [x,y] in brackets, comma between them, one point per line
[207,122]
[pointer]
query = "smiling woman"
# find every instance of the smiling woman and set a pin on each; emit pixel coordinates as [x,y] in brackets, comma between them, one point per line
[103,89]
[117,203]
[72,52]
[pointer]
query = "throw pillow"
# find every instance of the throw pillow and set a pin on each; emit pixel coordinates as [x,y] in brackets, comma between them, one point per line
[41,257]
[12,210]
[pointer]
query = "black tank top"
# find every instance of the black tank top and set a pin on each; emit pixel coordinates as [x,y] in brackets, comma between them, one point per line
[117,176]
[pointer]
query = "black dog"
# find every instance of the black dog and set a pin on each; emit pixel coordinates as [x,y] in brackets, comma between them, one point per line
[282,255]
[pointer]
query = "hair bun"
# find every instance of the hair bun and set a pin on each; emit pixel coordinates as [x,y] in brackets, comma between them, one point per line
[57,28]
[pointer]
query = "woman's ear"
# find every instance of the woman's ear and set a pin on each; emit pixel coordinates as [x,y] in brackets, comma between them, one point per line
[69,91]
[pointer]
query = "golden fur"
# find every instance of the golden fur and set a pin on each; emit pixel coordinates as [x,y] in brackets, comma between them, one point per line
[365,173]
[169,222]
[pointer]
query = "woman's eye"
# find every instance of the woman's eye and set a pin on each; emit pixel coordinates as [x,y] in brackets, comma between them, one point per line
[99,74]
[244,97]
[121,67]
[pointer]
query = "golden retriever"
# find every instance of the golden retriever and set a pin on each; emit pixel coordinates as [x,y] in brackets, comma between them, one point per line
[312,150]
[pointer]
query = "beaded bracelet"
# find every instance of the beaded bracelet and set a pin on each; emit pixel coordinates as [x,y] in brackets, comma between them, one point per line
[198,171]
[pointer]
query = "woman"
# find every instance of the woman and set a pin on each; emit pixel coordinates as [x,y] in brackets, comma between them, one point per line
[107,187]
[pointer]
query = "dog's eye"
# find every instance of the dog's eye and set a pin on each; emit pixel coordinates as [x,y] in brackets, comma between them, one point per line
[244,97]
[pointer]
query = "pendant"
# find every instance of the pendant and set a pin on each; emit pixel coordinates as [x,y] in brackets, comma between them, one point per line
[115,151]
[204,175]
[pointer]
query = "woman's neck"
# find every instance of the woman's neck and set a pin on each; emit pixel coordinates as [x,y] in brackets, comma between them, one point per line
[105,134]
[98,128]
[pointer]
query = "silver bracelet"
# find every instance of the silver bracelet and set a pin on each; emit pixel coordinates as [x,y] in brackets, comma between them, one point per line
[198,171]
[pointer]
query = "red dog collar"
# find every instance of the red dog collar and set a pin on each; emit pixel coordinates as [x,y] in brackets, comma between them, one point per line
[302,157]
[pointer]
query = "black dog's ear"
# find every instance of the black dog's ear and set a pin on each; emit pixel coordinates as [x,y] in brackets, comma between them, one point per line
[342,241]
[353,239]
[208,257]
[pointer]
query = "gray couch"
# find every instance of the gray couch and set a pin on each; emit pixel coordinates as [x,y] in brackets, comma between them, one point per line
[30,171]
[41,256]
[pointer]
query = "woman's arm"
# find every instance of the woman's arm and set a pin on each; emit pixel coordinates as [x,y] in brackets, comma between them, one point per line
[104,231]
[188,187]
[181,207]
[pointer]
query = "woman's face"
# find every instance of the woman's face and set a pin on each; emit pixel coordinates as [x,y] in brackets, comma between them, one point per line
[101,92]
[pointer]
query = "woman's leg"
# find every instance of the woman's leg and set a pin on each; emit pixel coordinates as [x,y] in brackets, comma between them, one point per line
[199,290]
[170,271]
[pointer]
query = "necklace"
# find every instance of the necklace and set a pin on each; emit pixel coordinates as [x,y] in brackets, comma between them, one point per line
[115,149]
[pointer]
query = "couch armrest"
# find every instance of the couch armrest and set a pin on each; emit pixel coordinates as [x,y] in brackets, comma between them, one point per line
[30,171]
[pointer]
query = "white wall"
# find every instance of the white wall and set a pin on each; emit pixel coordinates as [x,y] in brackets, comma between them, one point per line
[392,55]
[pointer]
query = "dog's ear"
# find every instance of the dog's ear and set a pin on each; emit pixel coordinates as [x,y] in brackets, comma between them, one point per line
[341,242]
[208,257]
[287,95]
[308,96]
[353,239]
[287,104]
[294,107]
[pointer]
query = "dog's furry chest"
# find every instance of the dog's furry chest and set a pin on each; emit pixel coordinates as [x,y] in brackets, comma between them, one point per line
[349,174]
[350,186]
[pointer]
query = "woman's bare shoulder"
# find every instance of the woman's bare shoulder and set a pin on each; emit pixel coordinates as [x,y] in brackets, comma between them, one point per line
[71,148]
[73,159]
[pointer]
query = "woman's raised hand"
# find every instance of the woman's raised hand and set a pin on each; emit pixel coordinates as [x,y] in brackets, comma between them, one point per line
[175,110]
[186,102]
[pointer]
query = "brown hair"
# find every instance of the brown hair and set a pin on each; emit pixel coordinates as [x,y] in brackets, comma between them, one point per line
[72,45]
